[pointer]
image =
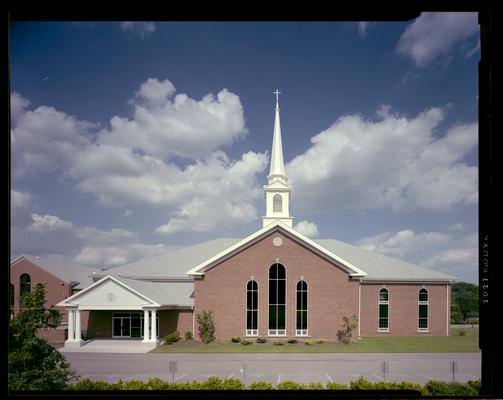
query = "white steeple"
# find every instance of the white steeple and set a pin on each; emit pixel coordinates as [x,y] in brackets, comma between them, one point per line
[277,191]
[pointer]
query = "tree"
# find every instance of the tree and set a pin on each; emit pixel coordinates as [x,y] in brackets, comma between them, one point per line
[206,326]
[34,363]
[349,325]
[465,299]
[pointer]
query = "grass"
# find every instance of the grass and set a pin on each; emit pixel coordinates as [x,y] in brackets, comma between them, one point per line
[420,344]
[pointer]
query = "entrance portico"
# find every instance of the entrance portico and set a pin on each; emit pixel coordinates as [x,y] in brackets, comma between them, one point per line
[134,315]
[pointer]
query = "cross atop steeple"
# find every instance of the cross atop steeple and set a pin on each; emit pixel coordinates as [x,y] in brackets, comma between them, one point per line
[277,93]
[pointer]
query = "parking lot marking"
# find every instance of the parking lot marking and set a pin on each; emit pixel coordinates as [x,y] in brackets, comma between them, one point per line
[279,378]
[230,376]
[378,377]
[425,376]
[328,376]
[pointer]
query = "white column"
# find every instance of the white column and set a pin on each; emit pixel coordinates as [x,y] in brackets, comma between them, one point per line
[146,325]
[78,331]
[71,333]
[154,325]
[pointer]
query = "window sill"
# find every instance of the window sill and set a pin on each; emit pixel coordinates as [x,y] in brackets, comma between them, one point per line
[383,331]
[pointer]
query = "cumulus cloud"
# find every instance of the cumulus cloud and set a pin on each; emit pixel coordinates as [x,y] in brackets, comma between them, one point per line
[164,125]
[144,29]
[45,140]
[48,223]
[452,252]
[436,34]
[307,228]
[392,162]
[19,199]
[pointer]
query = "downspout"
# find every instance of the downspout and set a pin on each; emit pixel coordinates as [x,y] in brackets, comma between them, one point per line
[447,311]
[359,306]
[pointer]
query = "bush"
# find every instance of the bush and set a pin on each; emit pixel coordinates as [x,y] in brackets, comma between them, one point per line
[261,339]
[436,388]
[336,386]
[88,384]
[206,326]
[289,385]
[189,335]
[350,324]
[309,342]
[461,332]
[173,337]
[320,341]
[246,342]
[292,340]
[261,385]
[236,339]
[278,343]
[134,385]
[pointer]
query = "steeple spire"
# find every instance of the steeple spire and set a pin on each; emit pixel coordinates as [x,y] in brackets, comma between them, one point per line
[277,169]
[277,191]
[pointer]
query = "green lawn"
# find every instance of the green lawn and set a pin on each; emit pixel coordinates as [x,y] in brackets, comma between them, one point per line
[424,344]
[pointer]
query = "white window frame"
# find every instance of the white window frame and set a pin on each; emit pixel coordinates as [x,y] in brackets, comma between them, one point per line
[379,303]
[251,332]
[423,303]
[277,332]
[301,332]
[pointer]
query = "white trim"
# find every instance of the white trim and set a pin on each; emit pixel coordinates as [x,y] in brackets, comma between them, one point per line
[68,301]
[251,332]
[423,303]
[302,332]
[249,240]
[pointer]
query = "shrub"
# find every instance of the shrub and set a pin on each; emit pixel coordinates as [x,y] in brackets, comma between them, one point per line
[320,341]
[232,384]
[261,385]
[292,340]
[88,384]
[206,326]
[436,388]
[336,386]
[189,335]
[289,385]
[157,384]
[261,339]
[461,332]
[236,339]
[246,342]
[173,337]
[350,324]
[309,342]
[134,385]
[278,343]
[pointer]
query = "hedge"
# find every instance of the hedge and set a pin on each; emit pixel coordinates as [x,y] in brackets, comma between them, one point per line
[431,388]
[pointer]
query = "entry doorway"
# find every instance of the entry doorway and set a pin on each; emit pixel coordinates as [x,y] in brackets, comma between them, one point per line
[130,325]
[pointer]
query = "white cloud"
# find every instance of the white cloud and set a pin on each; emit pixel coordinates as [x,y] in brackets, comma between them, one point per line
[144,29]
[112,256]
[163,125]
[45,140]
[307,228]
[435,34]
[48,223]
[19,199]
[128,213]
[362,28]
[457,227]
[453,252]
[394,162]
[18,104]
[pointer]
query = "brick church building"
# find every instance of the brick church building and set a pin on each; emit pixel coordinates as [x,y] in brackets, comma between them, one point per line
[276,282]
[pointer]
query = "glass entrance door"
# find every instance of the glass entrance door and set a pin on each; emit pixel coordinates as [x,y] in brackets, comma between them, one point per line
[121,326]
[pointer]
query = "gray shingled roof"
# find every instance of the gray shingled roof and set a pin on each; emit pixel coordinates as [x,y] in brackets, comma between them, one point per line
[164,293]
[65,270]
[174,263]
[379,266]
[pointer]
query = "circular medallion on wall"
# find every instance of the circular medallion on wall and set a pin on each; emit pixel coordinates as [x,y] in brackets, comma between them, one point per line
[111,296]
[277,241]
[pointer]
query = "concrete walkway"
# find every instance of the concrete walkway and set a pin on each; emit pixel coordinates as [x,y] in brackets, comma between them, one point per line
[110,346]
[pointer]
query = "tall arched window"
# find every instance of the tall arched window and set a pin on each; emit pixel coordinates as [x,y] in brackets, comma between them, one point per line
[383,310]
[277,300]
[11,295]
[252,308]
[423,310]
[301,328]
[24,287]
[277,203]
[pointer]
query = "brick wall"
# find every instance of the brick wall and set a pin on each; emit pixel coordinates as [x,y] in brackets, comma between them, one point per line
[403,309]
[331,294]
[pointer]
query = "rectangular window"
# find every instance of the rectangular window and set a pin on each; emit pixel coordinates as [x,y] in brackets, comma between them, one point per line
[423,317]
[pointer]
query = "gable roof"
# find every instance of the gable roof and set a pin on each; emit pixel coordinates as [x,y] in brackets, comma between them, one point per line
[380,267]
[61,268]
[201,268]
[173,263]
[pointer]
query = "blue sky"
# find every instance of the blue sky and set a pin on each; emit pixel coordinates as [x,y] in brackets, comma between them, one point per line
[131,138]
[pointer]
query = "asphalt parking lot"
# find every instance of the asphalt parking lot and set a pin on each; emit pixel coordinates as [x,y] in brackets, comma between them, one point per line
[276,368]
